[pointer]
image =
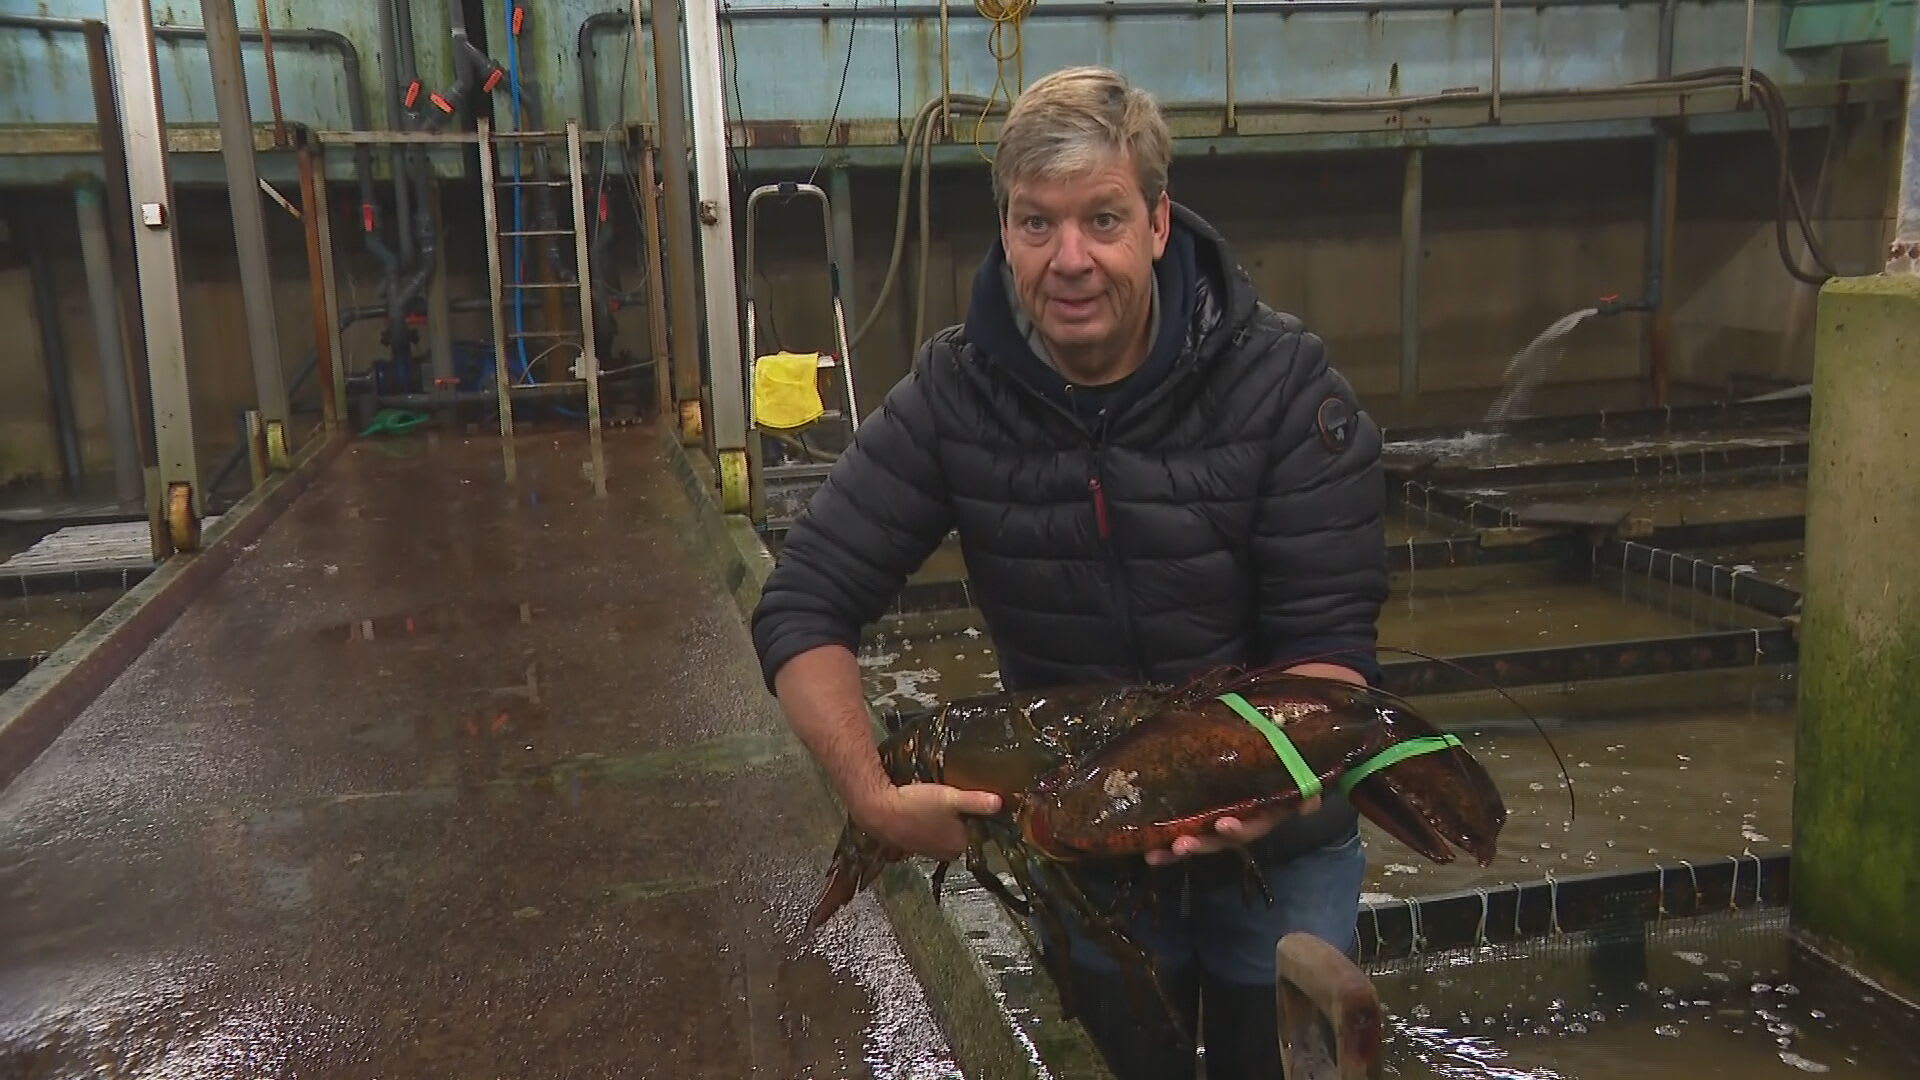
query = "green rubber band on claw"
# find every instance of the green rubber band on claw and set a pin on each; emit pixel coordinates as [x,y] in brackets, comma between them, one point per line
[1283,747]
[1394,755]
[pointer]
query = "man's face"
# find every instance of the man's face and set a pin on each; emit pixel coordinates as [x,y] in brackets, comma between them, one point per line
[1082,253]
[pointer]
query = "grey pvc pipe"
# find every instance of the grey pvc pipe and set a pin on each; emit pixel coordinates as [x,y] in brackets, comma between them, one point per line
[53,351]
[1412,241]
[249,218]
[128,483]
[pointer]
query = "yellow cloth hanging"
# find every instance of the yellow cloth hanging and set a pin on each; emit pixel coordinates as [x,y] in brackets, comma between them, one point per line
[786,390]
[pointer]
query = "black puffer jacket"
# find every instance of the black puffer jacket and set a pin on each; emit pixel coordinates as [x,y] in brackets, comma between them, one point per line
[1221,506]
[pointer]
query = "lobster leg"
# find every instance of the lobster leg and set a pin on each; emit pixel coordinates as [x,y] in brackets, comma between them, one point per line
[1055,961]
[1114,938]
[990,881]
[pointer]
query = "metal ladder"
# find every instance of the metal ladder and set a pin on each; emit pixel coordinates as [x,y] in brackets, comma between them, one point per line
[849,410]
[506,344]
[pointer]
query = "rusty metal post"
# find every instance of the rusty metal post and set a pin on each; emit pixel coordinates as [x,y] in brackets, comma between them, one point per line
[683,287]
[1330,1014]
[273,79]
[656,290]
[317,283]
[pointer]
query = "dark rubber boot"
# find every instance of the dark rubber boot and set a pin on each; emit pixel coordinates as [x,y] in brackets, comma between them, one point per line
[1131,1026]
[1241,1030]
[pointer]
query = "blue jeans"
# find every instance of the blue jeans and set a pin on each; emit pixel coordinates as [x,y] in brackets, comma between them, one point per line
[1221,924]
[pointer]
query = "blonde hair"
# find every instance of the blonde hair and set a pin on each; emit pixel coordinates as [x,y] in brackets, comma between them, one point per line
[1075,120]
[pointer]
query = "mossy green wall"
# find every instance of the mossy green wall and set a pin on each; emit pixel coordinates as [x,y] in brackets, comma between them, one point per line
[1856,872]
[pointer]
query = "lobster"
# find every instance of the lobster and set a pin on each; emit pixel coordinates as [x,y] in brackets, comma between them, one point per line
[1091,773]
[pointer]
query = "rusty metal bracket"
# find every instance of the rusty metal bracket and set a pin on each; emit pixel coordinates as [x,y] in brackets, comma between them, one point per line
[1330,1014]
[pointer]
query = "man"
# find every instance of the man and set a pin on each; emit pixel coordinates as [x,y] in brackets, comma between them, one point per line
[1151,473]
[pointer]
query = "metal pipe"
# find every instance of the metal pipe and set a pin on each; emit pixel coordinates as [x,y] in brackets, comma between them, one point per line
[1661,227]
[273,76]
[1499,23]
[1233,120]
[317,280]
[103,303]
[1904,253]
[53,355]
[728,423]
[656,273]
[249,220]
[1412,244]
[1661,220]
[683,294]
[1158,8]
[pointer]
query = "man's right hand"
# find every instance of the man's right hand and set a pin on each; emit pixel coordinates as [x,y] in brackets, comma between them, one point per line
[924,819]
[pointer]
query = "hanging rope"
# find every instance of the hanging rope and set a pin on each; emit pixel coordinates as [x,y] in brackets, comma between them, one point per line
[1007,18]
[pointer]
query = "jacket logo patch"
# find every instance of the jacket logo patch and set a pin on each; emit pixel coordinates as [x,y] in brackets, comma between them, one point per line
[1336,422]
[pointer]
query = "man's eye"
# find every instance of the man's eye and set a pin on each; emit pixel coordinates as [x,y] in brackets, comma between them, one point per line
[1105,222]
[1034,224]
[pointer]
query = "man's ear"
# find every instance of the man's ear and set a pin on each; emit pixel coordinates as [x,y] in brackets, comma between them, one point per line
[1161,219]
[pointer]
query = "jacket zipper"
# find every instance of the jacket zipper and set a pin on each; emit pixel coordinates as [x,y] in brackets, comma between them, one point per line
[1122,594]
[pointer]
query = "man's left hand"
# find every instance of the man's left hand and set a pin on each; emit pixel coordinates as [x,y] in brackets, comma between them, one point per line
[1229,832]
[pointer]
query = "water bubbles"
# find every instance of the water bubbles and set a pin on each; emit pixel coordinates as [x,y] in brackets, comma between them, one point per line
[1683,757]
[1616,789]
[1667,1031]
[1786,988]
[1697,959]
[1421,1012]
[1536,786]
[1761,988]
[1576,1028]
[1781,1028]
[1803,1064]
[1817,1014]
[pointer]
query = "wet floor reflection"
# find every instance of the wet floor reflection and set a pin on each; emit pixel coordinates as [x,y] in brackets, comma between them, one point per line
[445,778]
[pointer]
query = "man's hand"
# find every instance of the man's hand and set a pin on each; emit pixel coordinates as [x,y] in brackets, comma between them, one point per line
[1231,832]
[924,819]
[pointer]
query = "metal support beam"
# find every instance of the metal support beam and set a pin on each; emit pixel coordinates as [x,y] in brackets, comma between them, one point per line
[677,207]
[53,353]
[249,219]
[656,270]
[1904,255]
[333,377]
[118,204]
[840,195]
[318,283]
[1412,240]
[104,303]
[150,184]
[439,318]
[495,286]
[727,417]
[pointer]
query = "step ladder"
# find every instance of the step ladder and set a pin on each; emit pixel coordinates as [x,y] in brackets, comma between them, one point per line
[556,357]
[806,472]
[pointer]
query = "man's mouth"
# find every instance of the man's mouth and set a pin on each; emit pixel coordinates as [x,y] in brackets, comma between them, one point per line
[1075,306]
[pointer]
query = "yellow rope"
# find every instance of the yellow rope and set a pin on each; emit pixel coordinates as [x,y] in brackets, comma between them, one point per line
[1005,15]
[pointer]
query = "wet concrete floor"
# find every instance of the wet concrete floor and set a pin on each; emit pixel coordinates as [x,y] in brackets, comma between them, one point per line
[1719,998]
[445,778]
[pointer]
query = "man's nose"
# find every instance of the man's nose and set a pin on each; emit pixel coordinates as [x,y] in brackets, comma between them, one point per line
[1071,256]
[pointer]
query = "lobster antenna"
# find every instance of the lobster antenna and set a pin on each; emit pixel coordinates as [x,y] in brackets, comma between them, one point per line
[1469,673]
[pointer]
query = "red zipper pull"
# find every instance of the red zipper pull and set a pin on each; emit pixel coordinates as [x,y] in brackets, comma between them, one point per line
[1100,507]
